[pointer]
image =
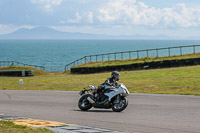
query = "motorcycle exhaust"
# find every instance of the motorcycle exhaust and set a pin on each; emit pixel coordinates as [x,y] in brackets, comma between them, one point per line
[90,100]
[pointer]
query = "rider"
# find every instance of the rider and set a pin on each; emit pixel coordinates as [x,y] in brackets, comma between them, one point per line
[112,81]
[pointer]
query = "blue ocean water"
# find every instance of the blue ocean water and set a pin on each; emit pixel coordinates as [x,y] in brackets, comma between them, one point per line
[62,52]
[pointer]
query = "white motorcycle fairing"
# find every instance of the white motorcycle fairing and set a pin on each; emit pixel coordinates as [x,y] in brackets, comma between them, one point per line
[116,91]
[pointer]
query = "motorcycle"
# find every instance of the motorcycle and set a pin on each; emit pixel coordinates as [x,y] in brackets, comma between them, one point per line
[109,97]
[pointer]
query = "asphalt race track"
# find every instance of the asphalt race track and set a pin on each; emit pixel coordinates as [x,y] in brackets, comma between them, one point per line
[146,113]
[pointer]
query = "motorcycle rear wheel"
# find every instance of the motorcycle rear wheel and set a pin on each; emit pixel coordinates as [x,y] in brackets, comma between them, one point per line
[118,107]
[83,103]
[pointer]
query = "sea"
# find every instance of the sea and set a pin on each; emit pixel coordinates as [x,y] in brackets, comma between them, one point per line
[62,52]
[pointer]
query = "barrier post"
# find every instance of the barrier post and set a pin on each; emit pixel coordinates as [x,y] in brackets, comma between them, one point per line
[169,52]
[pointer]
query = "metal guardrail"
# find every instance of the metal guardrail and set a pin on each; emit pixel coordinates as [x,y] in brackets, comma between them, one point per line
[132,54]
[45,68]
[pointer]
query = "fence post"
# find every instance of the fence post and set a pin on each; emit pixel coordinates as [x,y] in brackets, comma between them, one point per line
[181,50]
[194,49]
[129,55]
[108,56]
[85,59]
[115,56]
[13,63]
[66,68]
[90,58]
[122,56]
[96,58]
[157,52]
[138,54]
[102,58]
[147,53]
[169,52]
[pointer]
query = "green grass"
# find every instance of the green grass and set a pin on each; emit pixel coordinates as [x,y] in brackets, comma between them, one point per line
[180,80]
[139,60]
[10,127]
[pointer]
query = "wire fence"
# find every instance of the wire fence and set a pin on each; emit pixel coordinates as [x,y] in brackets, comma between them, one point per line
[159,52]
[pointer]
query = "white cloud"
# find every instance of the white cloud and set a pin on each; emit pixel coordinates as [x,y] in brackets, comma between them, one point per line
[75,20]
[80,19]
[6,29]
[48,4]
[90,17]
[131,12]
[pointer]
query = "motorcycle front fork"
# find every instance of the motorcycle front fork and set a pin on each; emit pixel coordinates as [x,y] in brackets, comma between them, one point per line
[117,99]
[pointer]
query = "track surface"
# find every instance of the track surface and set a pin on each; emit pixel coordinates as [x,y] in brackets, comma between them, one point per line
[146,113]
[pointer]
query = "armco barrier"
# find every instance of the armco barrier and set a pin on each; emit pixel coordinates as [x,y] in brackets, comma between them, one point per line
[18,73]
[159,52]
[138,66]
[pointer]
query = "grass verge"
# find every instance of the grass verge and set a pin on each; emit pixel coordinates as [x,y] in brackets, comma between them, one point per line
[180,80]
[10,127]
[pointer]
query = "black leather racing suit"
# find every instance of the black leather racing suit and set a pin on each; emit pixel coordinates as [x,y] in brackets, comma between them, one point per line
[109,82]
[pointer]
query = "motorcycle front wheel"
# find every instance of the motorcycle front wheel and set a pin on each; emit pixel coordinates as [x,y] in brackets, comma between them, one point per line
[121,105]
[83,103]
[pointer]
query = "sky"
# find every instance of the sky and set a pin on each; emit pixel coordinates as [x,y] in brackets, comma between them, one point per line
[111,17]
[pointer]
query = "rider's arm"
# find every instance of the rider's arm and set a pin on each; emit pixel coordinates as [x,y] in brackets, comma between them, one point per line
[107,82]
[117,84]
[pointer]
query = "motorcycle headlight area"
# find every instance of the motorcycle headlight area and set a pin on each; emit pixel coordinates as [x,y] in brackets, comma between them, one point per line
[125,91]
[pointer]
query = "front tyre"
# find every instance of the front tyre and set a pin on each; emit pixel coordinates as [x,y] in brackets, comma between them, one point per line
[83,103]
[120,105]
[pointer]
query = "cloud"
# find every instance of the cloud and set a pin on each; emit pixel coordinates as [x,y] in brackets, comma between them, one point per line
[90,17]
[131,12]
[76,20]
[84,19]
[6,29]
[47,4]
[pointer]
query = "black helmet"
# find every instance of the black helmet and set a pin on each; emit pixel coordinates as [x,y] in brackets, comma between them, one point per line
[115,75]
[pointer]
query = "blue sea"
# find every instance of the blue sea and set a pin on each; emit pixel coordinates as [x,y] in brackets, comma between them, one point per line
[62,52]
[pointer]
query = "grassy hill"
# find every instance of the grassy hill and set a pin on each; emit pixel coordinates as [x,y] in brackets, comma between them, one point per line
[139,60]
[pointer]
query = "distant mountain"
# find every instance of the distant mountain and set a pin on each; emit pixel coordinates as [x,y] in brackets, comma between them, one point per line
[48,33]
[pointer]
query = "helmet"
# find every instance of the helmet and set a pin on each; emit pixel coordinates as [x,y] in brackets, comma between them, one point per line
[115,75]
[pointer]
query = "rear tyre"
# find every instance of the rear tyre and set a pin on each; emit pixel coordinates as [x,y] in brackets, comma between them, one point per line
[121,105]
[83,103]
